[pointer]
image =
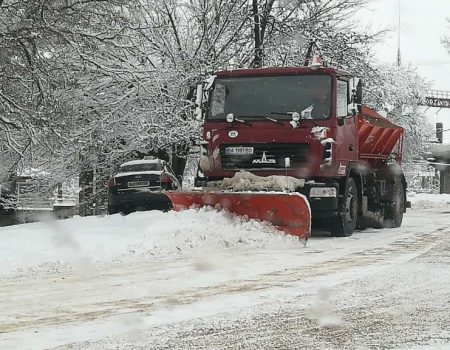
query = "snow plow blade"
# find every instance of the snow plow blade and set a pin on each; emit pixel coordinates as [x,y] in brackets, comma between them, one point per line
[288,212]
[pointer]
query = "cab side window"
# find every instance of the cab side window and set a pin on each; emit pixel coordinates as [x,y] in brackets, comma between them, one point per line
[342,98]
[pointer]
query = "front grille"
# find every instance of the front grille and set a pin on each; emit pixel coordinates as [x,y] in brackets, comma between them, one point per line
[265,156]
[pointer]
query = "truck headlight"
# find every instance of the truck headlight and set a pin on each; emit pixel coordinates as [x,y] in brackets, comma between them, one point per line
[323,192]
[327,151]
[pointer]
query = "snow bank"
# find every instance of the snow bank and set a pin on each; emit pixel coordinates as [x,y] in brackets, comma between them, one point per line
[97,242]
[93,242]
[246,181]
[428,200]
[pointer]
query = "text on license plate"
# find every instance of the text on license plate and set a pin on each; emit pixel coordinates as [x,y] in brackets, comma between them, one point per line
[238,150]
[138,183]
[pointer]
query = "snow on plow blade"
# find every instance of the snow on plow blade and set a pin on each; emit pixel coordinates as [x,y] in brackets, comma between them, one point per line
[288,212]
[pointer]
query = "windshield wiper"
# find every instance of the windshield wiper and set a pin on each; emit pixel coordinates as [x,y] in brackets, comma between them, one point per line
[274,120]
[262,116]
[282,113]
[242,121]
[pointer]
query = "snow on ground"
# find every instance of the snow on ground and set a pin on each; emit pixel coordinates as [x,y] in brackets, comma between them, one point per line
[428,200]
[95,242]
[207,280]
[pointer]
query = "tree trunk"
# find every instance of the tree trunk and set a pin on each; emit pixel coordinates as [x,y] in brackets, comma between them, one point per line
[257,61]
[261,19]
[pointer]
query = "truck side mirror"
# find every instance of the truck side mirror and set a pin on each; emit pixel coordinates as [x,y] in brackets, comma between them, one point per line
[202,96]
[358,93]
[356,90]
[352,110]
[198,102]
[198,113]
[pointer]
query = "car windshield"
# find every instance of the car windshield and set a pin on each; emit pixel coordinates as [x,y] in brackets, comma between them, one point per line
[274,97]
[140,167]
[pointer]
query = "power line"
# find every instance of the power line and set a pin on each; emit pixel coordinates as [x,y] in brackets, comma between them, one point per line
[429,62]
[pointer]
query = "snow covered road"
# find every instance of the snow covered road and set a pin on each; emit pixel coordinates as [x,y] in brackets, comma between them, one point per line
[206,281]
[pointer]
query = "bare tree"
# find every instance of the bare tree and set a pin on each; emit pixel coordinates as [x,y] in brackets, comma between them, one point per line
[85,85]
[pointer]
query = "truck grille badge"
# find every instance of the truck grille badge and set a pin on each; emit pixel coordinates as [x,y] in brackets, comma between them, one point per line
[264,160]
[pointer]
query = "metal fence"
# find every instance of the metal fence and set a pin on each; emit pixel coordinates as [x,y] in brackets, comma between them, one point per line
[421,177]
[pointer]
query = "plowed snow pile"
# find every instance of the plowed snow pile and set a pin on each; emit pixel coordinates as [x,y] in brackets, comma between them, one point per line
[246,181]
[428,200]
[93,242]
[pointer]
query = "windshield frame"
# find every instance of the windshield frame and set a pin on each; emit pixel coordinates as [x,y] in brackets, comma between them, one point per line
[278,117]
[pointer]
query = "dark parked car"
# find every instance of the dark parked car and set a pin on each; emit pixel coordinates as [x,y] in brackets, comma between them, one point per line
[140,184]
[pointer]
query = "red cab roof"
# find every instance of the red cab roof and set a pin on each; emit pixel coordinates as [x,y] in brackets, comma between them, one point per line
[270,71]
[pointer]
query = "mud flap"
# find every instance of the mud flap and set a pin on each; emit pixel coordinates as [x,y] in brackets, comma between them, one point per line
[288,212]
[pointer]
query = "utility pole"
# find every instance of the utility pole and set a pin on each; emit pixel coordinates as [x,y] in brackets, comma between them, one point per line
[440,132]
[399,59]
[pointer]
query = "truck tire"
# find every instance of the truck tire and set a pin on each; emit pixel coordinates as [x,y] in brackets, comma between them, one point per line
[394,209]
[345,223]
[372,220]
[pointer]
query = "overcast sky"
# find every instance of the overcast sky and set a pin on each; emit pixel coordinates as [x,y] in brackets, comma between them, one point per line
[423,24]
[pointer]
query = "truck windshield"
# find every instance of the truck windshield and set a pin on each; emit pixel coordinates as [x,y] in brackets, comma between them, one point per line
[275,97]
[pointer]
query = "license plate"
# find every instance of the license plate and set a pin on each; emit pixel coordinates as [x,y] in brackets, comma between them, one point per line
[138,183]
[231,151]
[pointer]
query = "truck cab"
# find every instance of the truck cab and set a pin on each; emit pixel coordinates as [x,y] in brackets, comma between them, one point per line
[274,120]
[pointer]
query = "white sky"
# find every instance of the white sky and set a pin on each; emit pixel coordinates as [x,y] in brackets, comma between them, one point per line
[423,24]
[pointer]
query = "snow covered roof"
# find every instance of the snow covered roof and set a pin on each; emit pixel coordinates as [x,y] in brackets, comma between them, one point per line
[142,161]
[143,172]
[276,71]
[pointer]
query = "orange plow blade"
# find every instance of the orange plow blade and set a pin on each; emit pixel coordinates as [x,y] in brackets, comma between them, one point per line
[288,212]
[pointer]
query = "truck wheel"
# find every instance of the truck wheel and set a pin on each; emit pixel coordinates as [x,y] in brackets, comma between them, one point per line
[394,209]
[372,219]
[345,223]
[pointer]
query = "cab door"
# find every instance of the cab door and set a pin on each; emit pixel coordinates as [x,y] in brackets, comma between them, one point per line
[346,134]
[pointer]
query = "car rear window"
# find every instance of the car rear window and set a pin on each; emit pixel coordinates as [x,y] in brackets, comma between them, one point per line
[140,167]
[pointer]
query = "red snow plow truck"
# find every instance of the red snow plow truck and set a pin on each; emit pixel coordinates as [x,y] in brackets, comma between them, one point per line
[307,128]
